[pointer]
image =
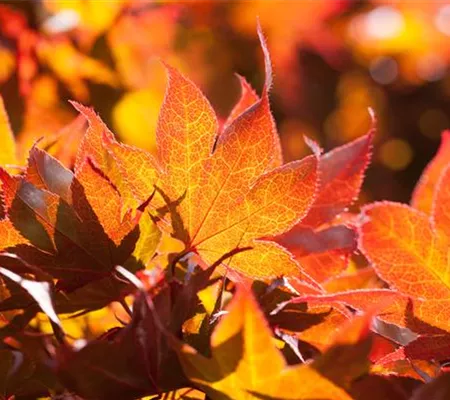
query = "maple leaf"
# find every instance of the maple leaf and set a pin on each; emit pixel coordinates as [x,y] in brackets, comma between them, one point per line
[320,242]
[408,253]
[231,195]
[409,250]
[341,173]
[233,371]
[226,190]
[66,224]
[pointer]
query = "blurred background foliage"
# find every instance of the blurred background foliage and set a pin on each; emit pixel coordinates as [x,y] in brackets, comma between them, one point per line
[332,60]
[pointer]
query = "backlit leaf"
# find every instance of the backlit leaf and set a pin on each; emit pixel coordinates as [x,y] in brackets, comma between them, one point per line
[404,249]
[322,253]
[321,245]
[8,151]
[133,171]
[247,99]
[422,198]
[226,189]
[86,234]
[234,371]
[440,215]
[341,173]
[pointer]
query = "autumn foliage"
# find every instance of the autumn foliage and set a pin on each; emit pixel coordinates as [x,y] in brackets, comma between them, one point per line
[211,268]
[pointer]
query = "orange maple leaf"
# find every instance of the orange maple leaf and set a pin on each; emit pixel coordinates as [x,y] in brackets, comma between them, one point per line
[321,242]
[230,194]
[409,250]
[224,191]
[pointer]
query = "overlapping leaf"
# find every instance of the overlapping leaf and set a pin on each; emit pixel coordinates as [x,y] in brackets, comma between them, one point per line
[409,250]
[321,244]
[223,191]
[70,227]
[245,363]
[230,196]
[143,361]
[221,188]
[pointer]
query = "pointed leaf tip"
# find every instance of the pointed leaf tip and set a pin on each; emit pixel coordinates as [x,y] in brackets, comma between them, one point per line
[267,61]
[372,113]
[40,291]
[313,145]
[373,119]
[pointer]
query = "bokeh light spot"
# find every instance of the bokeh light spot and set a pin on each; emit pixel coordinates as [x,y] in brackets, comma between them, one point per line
[63,21]
[396,154]
[442,20]
[432,122]
[384,22]
[431,67]
[384,70]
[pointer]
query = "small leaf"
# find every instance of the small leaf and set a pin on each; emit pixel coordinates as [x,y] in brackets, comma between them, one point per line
[341,173]
[40,291]
[47,173]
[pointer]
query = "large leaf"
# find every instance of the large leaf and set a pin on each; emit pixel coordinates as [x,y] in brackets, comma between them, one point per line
[228,193]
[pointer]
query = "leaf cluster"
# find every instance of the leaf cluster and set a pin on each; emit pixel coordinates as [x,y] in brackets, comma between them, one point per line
[228,273]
